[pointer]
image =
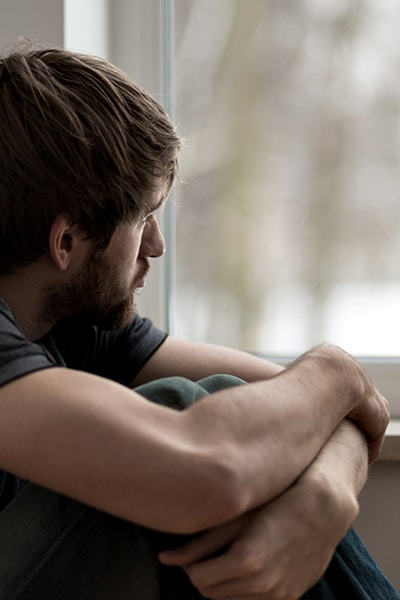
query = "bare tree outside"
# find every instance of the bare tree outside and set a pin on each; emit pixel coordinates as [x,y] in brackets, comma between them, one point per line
[289,221]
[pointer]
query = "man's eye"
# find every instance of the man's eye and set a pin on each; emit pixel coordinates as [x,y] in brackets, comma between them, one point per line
[149,217]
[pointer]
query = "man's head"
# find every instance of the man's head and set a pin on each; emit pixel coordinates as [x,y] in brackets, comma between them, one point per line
[100,283]
[80,139]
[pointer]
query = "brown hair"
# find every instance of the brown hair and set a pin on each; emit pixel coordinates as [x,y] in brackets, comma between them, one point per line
[77,137]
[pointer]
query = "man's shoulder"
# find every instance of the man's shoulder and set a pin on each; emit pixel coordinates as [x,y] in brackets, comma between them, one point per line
[18,355]
[7,319]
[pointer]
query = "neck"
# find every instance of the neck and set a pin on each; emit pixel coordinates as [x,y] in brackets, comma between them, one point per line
[22,292]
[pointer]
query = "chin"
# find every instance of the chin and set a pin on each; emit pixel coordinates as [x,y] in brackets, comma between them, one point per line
[119,316]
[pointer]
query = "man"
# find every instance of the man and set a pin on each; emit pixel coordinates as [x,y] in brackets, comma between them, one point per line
[264,476]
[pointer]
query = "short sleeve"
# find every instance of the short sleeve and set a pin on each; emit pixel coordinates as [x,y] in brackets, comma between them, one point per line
[18,355]
[117,355]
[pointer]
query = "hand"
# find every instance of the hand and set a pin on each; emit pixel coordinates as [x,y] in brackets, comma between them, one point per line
[273,553]
[369,409]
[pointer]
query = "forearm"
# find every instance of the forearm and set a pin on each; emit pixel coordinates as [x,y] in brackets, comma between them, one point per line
[276,428]
[288,419]
[195,360]
[286,545]
[104,445]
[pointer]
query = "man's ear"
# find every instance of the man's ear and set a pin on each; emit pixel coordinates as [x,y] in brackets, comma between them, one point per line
[63,238]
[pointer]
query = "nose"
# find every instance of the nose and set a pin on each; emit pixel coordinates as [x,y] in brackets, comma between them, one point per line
[153,242]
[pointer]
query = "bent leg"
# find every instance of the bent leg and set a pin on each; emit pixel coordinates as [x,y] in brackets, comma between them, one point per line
[180,393]
[54,548]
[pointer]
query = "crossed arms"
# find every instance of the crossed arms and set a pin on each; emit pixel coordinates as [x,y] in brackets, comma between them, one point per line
[239,457]
[282,548]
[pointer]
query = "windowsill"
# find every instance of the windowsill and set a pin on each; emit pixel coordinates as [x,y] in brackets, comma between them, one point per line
[391,446]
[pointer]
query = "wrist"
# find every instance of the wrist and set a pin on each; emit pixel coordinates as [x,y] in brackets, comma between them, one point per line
[347,375]
[336,376]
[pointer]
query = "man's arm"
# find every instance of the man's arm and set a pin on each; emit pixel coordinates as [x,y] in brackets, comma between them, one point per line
[195,360]
[101,443]
[303,526]
[282,549]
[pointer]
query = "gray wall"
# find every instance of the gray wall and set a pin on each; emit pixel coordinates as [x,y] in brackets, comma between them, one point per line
[39,20]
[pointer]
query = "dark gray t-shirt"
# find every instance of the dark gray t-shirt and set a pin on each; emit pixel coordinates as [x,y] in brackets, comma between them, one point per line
[76,344]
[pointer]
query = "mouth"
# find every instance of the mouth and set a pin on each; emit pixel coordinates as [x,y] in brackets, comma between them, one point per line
[142,275]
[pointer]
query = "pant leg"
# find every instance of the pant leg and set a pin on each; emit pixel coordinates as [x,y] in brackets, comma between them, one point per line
[53,548]
[354,574]
[180,393]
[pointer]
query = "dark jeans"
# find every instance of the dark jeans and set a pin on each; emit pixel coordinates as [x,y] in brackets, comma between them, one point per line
[53,548]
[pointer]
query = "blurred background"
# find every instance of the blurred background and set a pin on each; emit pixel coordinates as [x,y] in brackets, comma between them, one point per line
[288,221]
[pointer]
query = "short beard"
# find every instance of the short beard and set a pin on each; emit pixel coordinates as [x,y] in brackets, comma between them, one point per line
[94,293]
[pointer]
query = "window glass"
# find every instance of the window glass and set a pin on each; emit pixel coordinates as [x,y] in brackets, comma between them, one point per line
[288,220]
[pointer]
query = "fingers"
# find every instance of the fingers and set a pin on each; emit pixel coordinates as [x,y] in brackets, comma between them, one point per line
[277,554]
[370,409]
[248,565]
[372,417]
[214,579]
[203,546]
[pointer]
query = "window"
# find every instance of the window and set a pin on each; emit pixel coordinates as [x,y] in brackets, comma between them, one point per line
[287,230]
[288,225]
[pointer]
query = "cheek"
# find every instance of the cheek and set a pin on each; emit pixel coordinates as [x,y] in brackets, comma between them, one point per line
[129,265]
[123,253]
[126,258]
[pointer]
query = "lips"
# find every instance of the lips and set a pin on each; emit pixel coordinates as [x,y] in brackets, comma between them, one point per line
[140,279]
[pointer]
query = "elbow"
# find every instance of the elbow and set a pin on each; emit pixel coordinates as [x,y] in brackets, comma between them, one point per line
[231,484]
[218,493]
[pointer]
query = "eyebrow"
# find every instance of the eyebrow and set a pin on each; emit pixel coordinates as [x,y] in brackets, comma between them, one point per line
[152,209]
